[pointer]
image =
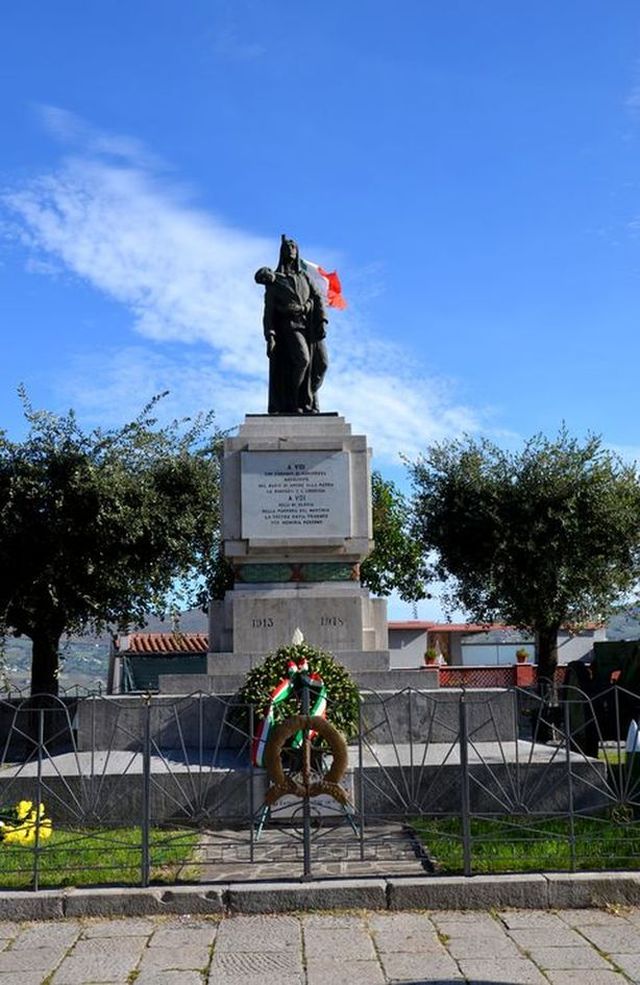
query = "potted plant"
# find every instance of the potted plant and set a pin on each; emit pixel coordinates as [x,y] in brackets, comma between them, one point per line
[522,655]
[431,656]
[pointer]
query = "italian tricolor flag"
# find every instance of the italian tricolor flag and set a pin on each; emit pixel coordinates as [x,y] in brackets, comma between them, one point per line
[329,284]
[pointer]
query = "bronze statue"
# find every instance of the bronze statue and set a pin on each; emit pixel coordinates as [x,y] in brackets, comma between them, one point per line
[294,328]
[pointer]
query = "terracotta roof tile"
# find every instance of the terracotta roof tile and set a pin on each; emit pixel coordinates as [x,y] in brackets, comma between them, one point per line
[156,643]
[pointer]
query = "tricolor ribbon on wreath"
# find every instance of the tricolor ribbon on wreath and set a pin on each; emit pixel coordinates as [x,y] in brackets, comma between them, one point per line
[298,676]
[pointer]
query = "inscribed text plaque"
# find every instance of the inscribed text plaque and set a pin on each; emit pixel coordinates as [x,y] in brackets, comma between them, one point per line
[303,494]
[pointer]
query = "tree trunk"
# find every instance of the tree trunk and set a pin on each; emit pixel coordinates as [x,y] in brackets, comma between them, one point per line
[547,651]
[547,658]
[44,662]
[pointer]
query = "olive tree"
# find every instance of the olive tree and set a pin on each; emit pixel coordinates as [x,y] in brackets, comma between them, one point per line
[397,562]
[538,538]
[99,528]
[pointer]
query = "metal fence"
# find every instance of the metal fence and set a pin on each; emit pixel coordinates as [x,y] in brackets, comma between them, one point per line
[145,789]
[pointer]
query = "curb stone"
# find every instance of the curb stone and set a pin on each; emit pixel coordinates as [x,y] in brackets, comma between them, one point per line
[137,902]
[45,905]
[469,893]
[332,894]
[583,889]
[532,891]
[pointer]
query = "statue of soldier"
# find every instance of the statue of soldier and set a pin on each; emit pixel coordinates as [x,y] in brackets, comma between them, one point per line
[294,328]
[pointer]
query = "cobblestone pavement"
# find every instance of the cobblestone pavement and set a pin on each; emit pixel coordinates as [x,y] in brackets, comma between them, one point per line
[514,947]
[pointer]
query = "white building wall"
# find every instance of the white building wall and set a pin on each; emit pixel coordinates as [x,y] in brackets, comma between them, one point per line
[406,648]
[579,647]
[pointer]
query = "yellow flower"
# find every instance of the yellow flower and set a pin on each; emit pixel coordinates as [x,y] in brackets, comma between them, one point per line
[27,835]
[17,836]
[34,825]
[23,808]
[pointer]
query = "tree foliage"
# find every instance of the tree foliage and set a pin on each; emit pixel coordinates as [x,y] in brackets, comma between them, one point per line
[397,562]
[98,528]
[540,538]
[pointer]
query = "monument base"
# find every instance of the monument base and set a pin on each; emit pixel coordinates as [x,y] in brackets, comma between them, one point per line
[296,524]
[333,616]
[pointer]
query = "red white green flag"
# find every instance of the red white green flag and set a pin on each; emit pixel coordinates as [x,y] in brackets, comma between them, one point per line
[329,284]
[298,675]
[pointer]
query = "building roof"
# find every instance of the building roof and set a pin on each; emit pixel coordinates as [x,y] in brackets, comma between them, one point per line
[467,627]
[447,627]
[472,627]
[410,624]
[158,643]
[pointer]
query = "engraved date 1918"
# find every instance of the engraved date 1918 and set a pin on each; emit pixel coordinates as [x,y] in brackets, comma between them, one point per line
[331,621]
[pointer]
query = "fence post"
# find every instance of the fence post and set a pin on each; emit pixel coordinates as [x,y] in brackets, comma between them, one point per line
[572,830]
[306,766]
[360,780]
[465,794]
[623,779]
[145,861]
[516,720]
[36,847]
[252,780]
[412,791]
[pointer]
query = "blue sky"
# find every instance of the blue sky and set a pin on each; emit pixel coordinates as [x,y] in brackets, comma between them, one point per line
[471,169]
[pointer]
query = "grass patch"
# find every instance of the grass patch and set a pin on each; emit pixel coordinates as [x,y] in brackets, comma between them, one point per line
[93,857]
[516,844]
[613,756]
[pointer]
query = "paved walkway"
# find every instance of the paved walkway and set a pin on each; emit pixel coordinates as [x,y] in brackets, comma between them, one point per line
[224,856]
[525,947]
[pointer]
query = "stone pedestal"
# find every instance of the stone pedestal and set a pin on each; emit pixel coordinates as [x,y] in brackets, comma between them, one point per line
[333,616]
[296,494]
[296,523]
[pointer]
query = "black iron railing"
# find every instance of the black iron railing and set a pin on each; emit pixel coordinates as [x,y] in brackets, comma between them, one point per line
[151,788]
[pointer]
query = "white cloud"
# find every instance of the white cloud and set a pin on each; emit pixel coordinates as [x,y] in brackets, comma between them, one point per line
[128,377]
[106,216]
[73,131]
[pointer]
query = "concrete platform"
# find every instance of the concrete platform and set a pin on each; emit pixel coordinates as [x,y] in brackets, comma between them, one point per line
[396,781]
[367,680]
[241,663]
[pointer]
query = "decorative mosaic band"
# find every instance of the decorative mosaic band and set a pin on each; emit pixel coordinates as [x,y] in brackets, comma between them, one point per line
[329,571]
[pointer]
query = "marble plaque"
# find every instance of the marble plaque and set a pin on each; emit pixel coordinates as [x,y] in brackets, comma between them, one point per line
[295,494]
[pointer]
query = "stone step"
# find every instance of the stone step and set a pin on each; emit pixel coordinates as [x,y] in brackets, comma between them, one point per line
[354,660]
[388,680]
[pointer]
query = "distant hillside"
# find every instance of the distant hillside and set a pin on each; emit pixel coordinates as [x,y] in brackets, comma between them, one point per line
[625,625]
[85,659]
[84,662]
[191,621]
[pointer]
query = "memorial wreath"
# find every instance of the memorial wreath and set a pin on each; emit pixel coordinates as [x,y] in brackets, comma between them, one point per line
[274,688]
